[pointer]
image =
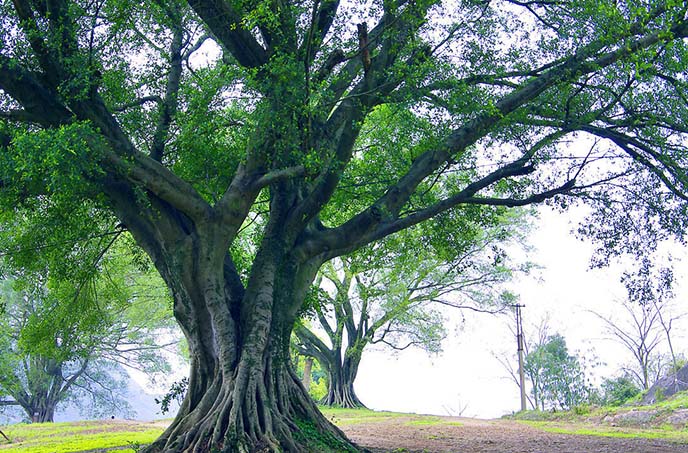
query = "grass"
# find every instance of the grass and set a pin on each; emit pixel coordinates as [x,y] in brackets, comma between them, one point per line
[107,436]
[76,437]
[662,432]
[677,401]
[589,421]
[341,417]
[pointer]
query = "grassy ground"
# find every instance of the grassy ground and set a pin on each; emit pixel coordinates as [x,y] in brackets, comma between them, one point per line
[344,417]
[99,435]
[125,437]
[584,428]
[608,421]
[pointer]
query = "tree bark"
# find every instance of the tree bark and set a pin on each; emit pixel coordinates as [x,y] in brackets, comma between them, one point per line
[43,414]
[307,368]
[340,385]
[243,393]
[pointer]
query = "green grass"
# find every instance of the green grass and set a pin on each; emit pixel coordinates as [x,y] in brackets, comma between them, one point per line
[677,401]
[589,421]
[342,417]
[117,436]
[75,437]
[665,432]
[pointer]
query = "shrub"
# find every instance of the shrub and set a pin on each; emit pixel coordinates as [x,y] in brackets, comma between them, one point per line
[619,390]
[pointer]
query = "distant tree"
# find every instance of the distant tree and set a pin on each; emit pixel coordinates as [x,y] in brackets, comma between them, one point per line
[639,333]
[651,287]
[557,377]
[390,296]
[66,341]
[535,336]
[619,390]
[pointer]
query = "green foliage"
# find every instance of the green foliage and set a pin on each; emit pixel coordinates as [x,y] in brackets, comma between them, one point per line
[318,382]
[177,392]
[557,377]
[254,129]
[69,335]
[619,390]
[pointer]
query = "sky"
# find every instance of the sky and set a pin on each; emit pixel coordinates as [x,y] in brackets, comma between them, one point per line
[466,378]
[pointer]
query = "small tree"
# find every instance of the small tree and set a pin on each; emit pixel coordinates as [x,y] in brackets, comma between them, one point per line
[557,377]
[619,390]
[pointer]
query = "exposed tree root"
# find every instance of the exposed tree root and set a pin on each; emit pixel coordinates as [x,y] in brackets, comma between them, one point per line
[248,414]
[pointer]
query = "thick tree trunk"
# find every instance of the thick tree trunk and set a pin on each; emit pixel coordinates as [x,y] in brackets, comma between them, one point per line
[243,393]
[340,385]
[43,412]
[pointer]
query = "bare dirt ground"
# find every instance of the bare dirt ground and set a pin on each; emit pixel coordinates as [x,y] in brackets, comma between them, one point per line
[460,435]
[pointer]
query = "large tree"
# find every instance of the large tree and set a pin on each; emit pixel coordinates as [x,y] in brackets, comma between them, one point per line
[392,295]
[67,342]
[186,120]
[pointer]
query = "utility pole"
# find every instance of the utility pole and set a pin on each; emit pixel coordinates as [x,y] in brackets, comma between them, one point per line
[520,347]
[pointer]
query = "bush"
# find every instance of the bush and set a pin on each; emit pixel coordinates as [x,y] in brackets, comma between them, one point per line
[318,389]
[619,390]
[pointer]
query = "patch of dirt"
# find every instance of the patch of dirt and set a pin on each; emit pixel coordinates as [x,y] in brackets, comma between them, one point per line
[482,436]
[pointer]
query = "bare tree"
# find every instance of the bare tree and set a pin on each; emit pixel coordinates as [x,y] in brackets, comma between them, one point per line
[638,332]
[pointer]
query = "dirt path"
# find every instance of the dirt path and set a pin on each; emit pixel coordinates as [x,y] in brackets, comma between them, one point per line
[478,436]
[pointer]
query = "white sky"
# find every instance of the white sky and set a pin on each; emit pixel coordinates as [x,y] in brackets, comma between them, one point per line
[467,376]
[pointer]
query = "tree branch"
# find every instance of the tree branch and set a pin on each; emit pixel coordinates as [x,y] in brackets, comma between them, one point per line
[226,23]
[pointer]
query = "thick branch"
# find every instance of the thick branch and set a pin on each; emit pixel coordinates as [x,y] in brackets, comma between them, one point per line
[388,206]
[40,103]
[226,23]
[168,107]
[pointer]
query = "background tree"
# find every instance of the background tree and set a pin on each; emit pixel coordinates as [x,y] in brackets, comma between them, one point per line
[556,376]
[107,112]
[392,295]
[651,287]
[536,337]
[619,390]
[639,333]
[65,342]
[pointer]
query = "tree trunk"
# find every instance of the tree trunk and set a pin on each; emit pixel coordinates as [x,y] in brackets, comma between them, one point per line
[243,394]
[340,385]
[41,412]
[45,414]
[307,368]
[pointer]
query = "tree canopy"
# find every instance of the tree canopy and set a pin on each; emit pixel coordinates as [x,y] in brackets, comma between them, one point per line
[66,342]
[557,378]
[393,295]
[245,143]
